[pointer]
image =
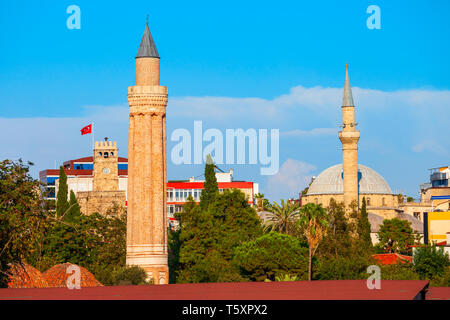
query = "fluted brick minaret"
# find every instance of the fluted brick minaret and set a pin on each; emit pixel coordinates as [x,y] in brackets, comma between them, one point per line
[146,212]
[349,137]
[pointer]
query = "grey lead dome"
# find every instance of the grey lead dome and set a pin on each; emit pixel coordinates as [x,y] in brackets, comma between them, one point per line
[330,181]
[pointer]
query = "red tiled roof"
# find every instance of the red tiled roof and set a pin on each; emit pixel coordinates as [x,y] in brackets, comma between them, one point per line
[57,276]
[296,290]
[25,276]
[391,258]
[438,293]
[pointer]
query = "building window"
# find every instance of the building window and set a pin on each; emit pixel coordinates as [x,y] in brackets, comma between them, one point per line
[383,201]
[368,202]
[316,201]
[112,154]
[100,154]
[417,215]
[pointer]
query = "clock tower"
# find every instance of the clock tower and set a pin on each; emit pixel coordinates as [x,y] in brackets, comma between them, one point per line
[106,163]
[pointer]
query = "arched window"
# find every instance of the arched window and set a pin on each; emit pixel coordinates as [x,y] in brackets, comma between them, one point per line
[368,202]
[316,201]
[100,154]
[383,200]
[112,154]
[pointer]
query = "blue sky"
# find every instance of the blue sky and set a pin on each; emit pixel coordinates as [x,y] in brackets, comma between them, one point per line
[288,55]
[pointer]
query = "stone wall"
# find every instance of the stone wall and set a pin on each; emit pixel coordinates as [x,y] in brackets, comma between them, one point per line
[100,201]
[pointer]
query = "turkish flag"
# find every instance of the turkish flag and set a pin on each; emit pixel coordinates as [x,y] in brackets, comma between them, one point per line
[87,129]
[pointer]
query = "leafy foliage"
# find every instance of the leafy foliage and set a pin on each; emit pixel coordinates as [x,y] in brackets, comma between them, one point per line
[396,236]
[22,218]
[314,221]
[363,227]
[210,190]
[208,237]
[270,255]
[133,275]
[431,262]
[399,271]
[61,199]
[283,218]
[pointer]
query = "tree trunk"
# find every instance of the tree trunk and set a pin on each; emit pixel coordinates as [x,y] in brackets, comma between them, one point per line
[309,269]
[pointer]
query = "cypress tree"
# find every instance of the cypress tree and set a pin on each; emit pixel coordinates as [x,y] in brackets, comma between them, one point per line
[363,226]
[74,212]
[61,202]
[210,189]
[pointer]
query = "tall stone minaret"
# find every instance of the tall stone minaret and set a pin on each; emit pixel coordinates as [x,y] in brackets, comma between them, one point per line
[146,216]
[349,137]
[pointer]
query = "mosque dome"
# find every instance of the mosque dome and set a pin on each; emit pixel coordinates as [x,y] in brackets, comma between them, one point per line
[25,276]
[57,276]
[330,181]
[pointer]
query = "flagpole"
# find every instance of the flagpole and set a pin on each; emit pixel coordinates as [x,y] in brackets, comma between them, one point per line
[93,139]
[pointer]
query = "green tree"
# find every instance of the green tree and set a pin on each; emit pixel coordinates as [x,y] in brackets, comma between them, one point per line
[208,237]
[22,218]
[314,220]
[340,255]
[343,268]
[441,280]
[337,241]
[283,218]
[73,213]
[430,262]
[272,255]
[210,189]
[363,227]
[396,236]
[399,271]
[61,199]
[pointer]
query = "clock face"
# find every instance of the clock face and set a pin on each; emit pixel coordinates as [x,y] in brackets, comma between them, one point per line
[105,170]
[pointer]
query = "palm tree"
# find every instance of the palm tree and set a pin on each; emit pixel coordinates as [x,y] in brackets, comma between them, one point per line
[282,218]
[314,220]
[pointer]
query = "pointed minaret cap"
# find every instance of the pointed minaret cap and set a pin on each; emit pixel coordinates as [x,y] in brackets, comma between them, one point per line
[347,101]
[147,49]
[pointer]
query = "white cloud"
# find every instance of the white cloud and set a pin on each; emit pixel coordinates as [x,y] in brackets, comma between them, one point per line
[431,146]
[313,132]
[292,177]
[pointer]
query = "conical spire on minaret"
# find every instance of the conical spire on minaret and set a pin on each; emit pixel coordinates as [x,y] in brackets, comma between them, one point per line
[347,100]
[147,48]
